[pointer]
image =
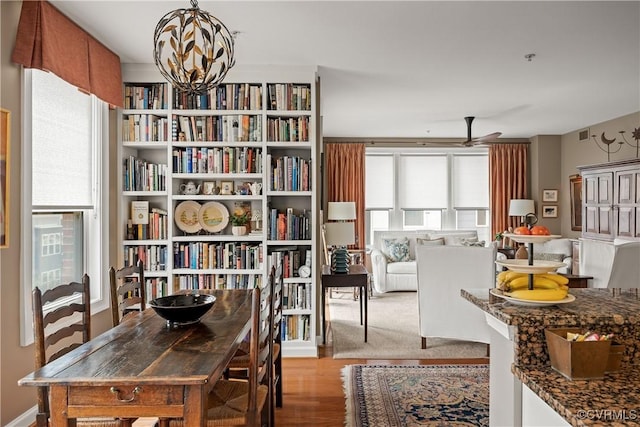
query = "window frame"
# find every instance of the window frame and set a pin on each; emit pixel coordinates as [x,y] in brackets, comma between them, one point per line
[396,213]
[95,222]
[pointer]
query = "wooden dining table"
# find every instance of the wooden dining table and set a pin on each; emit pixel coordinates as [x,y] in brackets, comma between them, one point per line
[146,368]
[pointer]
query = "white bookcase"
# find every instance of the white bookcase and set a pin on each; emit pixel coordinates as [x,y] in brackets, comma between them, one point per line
[257,130]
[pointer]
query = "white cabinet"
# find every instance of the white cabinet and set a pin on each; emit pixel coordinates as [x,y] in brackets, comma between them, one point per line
[194,161]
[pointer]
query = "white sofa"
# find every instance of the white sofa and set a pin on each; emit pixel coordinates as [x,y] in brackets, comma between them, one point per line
[442,272]
[560,250]
[391,276]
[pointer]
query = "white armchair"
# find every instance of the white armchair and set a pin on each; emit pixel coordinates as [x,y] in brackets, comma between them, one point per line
[612,265]
[442,272]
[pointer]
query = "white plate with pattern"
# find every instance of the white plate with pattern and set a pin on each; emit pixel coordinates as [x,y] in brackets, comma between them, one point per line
[539,266]
[213,217]
[186,216]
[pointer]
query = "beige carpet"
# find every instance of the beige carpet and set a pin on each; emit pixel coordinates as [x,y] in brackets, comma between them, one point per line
[393,330]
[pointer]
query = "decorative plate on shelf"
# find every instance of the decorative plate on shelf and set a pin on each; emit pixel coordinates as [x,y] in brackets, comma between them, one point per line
[531,238]
[186,216]
[213,217]
[539,266]
[531,303]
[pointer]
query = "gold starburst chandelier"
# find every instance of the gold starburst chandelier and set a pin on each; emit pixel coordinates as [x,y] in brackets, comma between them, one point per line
[192,49]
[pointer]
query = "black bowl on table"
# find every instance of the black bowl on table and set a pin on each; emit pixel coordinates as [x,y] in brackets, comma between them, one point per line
[182,309]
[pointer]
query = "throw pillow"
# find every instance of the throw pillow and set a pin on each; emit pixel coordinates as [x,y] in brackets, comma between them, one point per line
[396,250]
[473,242]
[430,242]
[545,256]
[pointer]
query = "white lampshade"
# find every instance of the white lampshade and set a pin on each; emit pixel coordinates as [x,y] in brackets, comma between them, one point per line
[521,207]
[341,211]
[340,233]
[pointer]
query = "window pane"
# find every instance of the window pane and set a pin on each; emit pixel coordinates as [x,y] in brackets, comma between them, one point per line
[422,182]
[62,154]
[57,249]
[470,181]
[413,219]
[379,182]
[378,220]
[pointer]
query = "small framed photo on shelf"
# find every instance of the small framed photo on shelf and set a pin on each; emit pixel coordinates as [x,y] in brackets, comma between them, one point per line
[226,187]
[549,211]
[209,188]
[549,195]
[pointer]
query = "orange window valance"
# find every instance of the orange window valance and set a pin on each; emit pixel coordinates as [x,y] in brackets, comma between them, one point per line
[48,40]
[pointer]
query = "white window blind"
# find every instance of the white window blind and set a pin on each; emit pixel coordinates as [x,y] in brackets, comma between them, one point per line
[62,150]
[470,182]
[423,182]
[379,192]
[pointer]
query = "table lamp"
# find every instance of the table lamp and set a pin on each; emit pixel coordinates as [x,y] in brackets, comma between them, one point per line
[340,234]
[525,209]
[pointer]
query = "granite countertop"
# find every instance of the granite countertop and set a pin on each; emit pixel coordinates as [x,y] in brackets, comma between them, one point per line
[612,401]
[599,310]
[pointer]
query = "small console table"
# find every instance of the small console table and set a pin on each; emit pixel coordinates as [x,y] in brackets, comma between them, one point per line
[356,277]
[576,281]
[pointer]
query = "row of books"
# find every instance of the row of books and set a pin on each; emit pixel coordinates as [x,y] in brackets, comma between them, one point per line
[156,287]
[230,96]
[156,228]
[145,96]
[205,255]
[289,129]
[144,128]
[289,173]
[296,327]
[296,296]
[216,281]
[217,160]
[290,258]
[141,175]
[228,128]
[154,257]
[289,225]
[289,96]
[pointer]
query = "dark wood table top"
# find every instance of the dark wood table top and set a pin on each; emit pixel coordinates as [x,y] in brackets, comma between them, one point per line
[353,269]
[144,350]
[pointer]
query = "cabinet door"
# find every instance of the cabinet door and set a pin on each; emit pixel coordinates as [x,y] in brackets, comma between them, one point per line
[626,203]
[598,202]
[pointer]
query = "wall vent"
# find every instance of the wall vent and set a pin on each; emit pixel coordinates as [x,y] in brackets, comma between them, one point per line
[583,135]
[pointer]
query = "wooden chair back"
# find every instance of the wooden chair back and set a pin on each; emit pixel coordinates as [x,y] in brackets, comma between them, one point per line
[278,285]
[260,349]
[127,291]
[52,341]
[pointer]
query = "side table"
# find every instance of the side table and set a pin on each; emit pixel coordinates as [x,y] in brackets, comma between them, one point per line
[356,277]
[576,281]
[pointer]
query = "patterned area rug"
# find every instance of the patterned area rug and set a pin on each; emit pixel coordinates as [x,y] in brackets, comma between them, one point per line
[416,395]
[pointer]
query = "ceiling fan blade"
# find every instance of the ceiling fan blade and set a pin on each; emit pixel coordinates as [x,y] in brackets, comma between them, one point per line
[487,138]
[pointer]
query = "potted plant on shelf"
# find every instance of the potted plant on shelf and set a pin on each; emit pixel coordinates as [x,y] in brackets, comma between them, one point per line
[239,223]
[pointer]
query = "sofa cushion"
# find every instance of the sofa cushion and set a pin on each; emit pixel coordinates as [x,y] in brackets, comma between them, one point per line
[456,239]
[396,250]
[430,242]
[554,246]
[546,256]
[408,267]
[473,242]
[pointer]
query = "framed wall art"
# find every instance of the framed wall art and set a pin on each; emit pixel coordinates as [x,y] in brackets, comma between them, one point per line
[5,135]
[549,195]
[226,187]
[549,211]
[575,190]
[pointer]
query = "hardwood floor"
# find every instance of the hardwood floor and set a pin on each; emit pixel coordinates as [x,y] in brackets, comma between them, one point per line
[313,394]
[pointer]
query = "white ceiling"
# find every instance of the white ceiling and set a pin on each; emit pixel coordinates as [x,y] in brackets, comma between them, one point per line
[414,69]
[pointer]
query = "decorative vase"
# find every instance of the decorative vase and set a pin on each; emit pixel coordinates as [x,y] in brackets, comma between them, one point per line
[239,230]
[340,260]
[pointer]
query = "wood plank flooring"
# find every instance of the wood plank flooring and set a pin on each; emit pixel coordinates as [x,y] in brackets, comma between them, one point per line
[313,394]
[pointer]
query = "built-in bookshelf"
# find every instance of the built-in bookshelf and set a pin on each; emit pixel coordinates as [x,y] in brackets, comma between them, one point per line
[192,161]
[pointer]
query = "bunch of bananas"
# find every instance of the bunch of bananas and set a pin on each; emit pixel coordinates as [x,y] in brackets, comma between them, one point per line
[546,287]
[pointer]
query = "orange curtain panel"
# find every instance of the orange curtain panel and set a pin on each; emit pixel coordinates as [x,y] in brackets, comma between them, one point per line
[507,180]
[345,180]
[48,40]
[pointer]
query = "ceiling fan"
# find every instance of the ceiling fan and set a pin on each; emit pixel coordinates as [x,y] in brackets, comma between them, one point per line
[482,140]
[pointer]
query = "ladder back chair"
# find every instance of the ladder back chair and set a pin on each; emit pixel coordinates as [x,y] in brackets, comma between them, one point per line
[52,341]
[127,291]
[277,335]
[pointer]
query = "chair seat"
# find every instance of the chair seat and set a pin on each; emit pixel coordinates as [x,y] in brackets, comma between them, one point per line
[227,404]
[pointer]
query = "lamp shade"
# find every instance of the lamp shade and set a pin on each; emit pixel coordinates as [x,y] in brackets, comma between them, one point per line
[340,233]
[341,211]
[521,207]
